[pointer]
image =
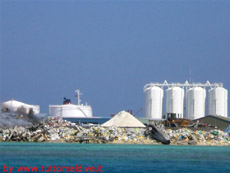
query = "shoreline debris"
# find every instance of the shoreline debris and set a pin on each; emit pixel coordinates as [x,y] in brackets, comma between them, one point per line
[56,129]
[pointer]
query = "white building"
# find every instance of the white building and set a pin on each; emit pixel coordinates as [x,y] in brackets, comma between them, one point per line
[20,107]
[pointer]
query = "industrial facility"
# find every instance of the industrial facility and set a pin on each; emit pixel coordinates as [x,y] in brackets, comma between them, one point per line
[187,100]
[69,110]
[19,107]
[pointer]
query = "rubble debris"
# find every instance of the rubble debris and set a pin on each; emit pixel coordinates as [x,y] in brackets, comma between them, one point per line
[55,129]
[197,137]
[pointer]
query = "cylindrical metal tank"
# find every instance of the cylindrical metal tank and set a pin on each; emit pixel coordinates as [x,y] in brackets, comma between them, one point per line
[175,102]
[70,111]
[195,103]
[153,102]
[218,101]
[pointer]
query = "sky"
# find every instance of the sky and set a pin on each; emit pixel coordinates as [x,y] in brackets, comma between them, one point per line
[109,49]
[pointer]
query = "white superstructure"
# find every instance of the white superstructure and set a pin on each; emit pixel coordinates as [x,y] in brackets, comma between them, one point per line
[218,101]
[175,102]
[195,103]
[153,102]
[69,110]
[20,107]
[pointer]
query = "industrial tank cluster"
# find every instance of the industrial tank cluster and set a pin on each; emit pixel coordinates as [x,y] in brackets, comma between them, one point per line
[185,100]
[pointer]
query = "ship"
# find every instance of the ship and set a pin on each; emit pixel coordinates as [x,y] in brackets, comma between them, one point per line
[70,110]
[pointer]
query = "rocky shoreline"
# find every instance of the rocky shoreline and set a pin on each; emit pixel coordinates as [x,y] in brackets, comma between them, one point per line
[55,129]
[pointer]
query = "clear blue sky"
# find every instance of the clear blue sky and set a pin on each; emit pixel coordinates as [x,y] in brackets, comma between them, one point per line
[109,49]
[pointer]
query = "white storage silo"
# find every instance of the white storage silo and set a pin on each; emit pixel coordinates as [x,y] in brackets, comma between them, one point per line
[218,101]
[175,102]
[153,102]
[195,103]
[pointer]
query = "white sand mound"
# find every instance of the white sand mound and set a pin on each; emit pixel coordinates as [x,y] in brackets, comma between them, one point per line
[123,119]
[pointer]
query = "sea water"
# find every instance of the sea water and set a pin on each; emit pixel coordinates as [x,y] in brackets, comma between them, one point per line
[113,158]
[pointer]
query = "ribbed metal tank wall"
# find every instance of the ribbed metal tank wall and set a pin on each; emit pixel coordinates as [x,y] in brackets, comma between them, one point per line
[218,101]
[153,102]
[195,103]
[175,102]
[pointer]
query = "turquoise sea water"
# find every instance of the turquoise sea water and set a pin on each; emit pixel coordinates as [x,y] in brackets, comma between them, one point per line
[116,158]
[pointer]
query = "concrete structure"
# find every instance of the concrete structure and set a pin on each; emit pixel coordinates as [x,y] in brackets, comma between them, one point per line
[153,102]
